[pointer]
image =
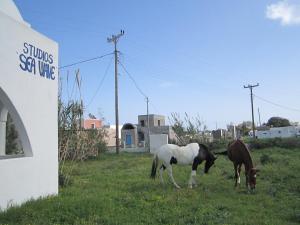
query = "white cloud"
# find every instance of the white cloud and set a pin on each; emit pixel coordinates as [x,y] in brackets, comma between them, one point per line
[287,11]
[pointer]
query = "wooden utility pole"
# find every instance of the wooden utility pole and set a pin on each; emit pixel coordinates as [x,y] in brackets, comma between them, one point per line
[148,123]
[251,95]
[79,82]
[114,39]
[259,117]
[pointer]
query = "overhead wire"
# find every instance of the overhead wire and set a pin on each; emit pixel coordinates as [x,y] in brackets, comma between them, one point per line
[276,104]
[84,61]
[101,83]
[137,86]
[133,80]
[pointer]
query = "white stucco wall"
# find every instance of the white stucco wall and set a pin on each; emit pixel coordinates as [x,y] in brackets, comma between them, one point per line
[283,132]
[157,140]
[32,102]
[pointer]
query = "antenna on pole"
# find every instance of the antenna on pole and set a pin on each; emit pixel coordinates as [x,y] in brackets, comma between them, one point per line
[251,95]
[79,83]
[114,39]
[148,123]
[259,117]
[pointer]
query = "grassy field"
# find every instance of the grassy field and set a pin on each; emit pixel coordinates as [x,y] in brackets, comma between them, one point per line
[117,190]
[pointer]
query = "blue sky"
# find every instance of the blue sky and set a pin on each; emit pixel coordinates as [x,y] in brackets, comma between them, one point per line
[186,56]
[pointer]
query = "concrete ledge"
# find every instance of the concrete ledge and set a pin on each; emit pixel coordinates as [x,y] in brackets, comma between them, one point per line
[12,156]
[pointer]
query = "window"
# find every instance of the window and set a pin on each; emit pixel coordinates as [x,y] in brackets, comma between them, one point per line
[93,126]
[158,122]
[14,140]
[142,123]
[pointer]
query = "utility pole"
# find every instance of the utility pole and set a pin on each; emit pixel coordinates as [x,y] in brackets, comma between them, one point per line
[251,94]
[114,39]
[148,122]
[259,117]
[79,82]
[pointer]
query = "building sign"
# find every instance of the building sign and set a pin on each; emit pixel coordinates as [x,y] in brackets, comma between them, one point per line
[37,61]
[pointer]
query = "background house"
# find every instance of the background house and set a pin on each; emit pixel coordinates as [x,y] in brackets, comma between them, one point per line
[283,132]
[137,135]
[92,124]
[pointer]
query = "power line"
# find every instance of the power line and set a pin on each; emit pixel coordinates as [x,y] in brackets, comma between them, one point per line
[276,104]
[134,82]
[138,88]
[100,84]
[154,107]
[84,61]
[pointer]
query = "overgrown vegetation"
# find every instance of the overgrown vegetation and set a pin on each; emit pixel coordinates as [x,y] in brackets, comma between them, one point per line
[278,122]
[189,129]
[74,142]
[12,145]
[116,189]
[289,143]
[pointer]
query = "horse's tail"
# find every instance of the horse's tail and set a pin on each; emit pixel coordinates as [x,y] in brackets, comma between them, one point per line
[223,152]
[154,166]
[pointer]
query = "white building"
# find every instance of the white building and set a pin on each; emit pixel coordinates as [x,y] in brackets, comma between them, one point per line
[28,92]
[290,131]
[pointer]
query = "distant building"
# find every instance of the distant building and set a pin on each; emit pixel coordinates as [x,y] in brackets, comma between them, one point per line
[219,134]
[137,135]
[110,139]
[92,124]
[283,132]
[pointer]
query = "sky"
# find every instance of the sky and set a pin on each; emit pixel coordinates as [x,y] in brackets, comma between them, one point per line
[190,56]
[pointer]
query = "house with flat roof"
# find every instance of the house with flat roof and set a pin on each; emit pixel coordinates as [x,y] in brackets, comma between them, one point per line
[138,135]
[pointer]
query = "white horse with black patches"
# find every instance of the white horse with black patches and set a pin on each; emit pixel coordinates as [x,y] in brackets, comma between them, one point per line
[191,154]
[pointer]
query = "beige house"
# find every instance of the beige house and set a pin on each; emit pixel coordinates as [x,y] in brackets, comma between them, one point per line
[137,135]
[110,139]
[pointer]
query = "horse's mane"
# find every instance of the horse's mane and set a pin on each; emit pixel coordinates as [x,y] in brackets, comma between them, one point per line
[205,148]
[239,141]
[243,144]
[246,150]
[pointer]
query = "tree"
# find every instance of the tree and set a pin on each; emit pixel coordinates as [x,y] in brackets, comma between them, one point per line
[12,146]
[92,116]
[278,122]
[189,129]
[244,127]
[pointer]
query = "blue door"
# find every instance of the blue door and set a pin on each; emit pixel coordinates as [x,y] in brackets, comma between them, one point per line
[128,139]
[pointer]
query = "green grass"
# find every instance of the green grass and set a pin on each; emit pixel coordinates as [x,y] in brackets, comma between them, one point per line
[117,190]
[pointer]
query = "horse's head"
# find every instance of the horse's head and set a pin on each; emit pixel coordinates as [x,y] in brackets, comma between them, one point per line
[209,162]
[252,177]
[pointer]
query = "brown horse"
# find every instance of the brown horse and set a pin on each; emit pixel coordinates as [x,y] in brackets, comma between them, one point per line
[239,154]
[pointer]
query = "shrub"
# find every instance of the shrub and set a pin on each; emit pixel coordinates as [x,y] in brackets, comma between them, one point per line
[12,146]
[218,144]
[289,143]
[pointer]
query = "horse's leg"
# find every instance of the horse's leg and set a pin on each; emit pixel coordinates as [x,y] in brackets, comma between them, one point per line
[247,179]
[169,168]
[192,180]
[161,170]
[239,174]
[235,173]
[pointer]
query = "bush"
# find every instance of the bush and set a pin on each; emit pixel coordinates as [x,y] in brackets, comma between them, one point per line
[218,144]
[12,146]
[289,143]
